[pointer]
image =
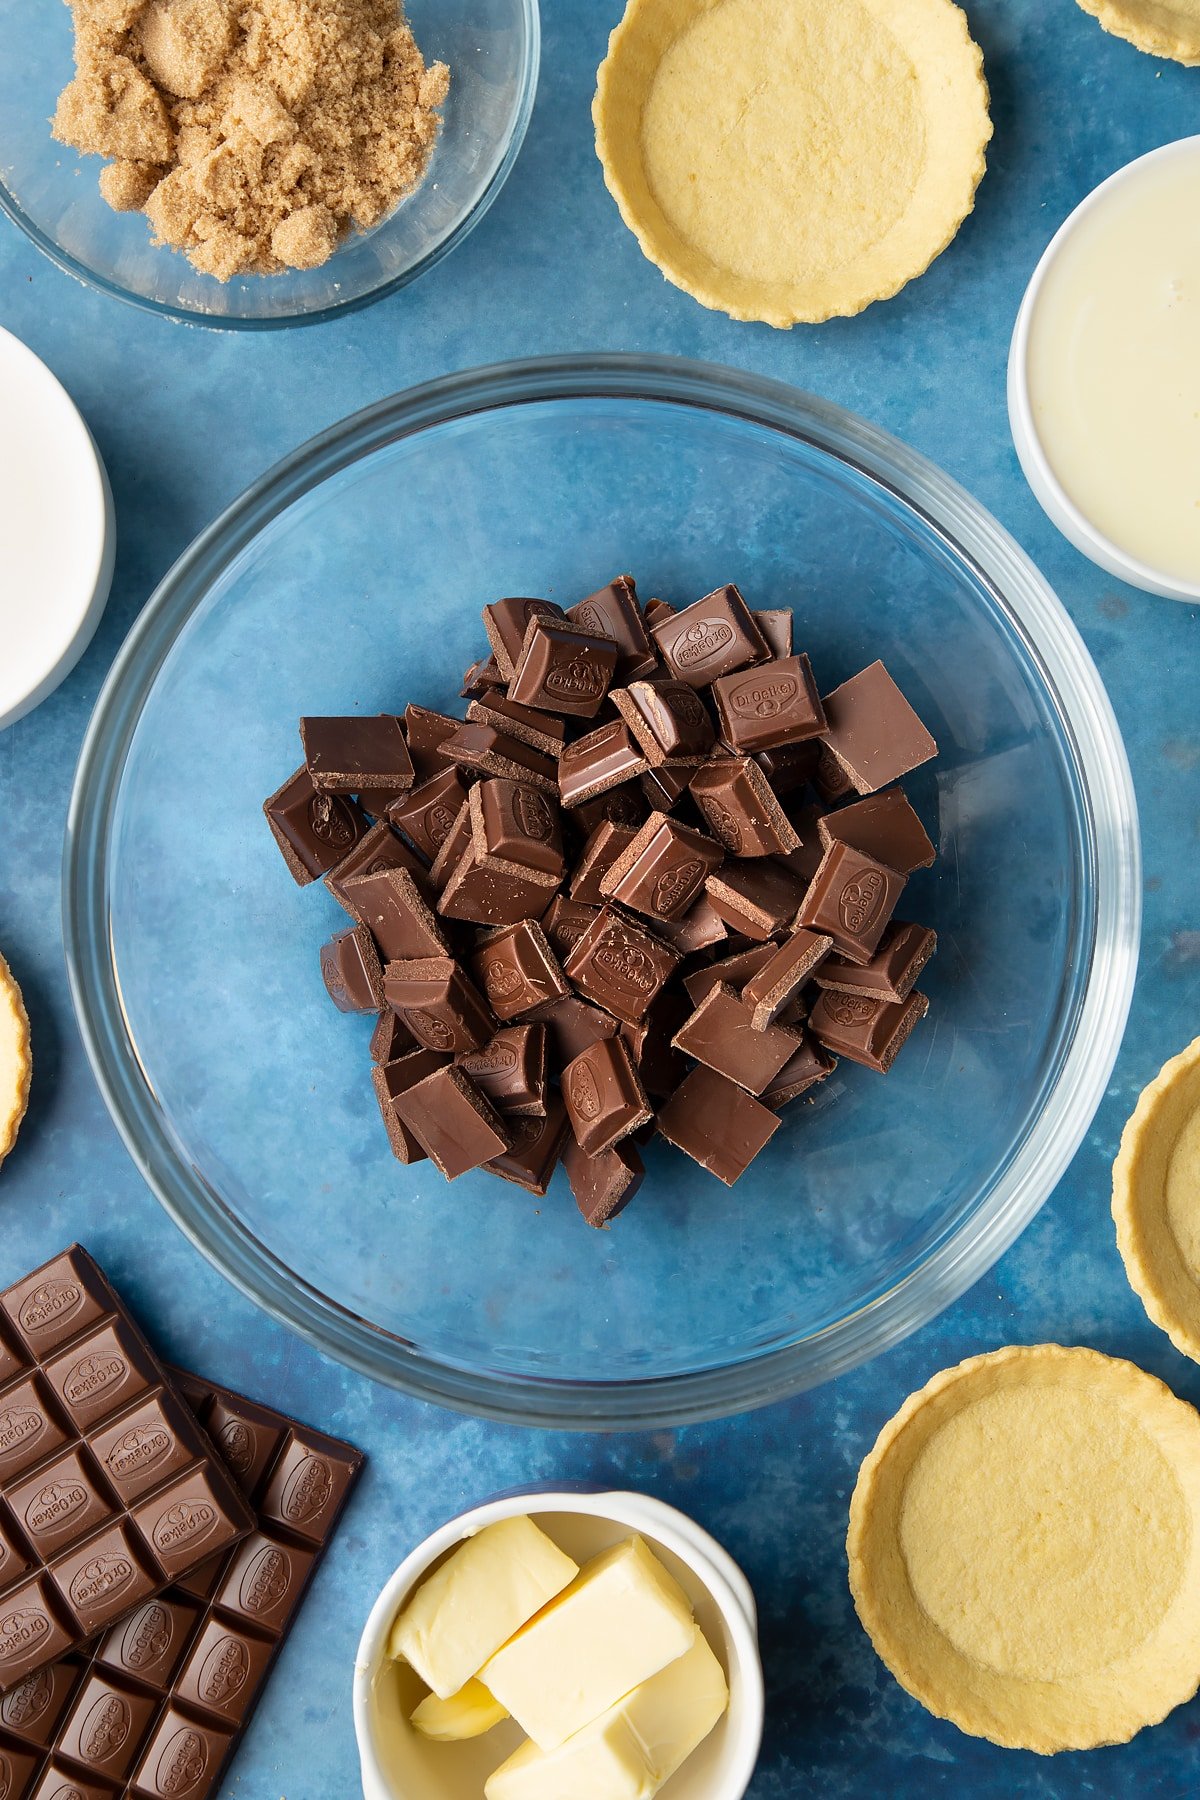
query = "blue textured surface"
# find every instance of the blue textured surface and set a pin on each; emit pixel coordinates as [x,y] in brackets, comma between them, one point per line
[185,419]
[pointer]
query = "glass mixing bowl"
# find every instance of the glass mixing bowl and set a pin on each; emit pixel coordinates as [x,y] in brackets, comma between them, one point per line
[51,192]
[352,576]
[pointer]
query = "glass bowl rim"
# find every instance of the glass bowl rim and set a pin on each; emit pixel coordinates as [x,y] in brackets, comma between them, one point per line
[1112,855]
[83,272]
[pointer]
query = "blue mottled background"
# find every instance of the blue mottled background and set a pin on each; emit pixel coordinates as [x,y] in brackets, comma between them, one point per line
[185,419]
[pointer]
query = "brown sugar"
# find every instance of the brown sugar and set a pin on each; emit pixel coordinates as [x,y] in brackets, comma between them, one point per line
[254,134]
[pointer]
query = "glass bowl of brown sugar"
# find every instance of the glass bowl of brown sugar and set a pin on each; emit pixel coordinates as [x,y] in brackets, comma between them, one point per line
[220,236]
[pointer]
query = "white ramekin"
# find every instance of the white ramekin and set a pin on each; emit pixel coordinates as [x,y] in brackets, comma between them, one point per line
[1054,500]
[56,560]
[397,1764]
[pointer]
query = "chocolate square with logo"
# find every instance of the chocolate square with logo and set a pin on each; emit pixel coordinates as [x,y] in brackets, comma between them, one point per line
[151,1641]
[100,1580]
[107,1727]
[563,669]
[181,1760]
[31,1633]
[183,1522]
[60,1503]
[314,831]
[306,1489]
[662,871]
[774,704]
[16,1768]
[621,966]
[246,1435]
[851,899]
[144,1447]
[31,1710]
[712,637]
[426,815]
[224,1671]
[58,1301]
[61,1782]
[104,1371]
[29,1429]
[264,1580]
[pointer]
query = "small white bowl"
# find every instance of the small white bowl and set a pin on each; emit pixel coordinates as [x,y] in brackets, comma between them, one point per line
[398,1764]
[57,532]
[1054,500]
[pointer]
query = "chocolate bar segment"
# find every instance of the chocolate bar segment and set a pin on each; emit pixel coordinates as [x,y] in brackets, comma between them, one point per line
[563,669]
[613,611]
[352,972]
[356,755]
[901,955]
[774,986]
[621,966]
[759,899]
[602,1185]
[377,850]
[507,621]
[491,752]
[851,899]
[668,719]
[426,815]
[391,904]
[425,732]
[515,826]
[870,1032]
[313,830]
[154,1709]
[510,1070]
[662,871]
[605,758]
[717,1124]
[110,1487]
[533,1153]
[884,827]
[390,1081]
[741,809]
[517,970]
[439,1003]
[774,704]
[452,1121]
[873,733]
[710,638]
[537,729]
[722,1035]
[604,1096]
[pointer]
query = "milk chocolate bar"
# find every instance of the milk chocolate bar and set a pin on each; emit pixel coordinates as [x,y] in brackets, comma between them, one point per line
[110,1489]
[156,1708]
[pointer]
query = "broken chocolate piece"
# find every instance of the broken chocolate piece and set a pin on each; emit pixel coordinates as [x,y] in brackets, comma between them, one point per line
[392,1079]
[510,1070]
[537,729]
[351,971]
[602,1185]
[605,758]
[313,830]
[662,870]
[712,637]
[532,1156]
[507,621]
[425,732]
[563,669]
[870,1032]
[757,898]
[717,1124]
[851,898]
[426,815]
[769,706]
[892,972]
[722,1035]
[376,850]
[455,1126]
[439,1004]
[774,986]
[604,1096]
[394,910]
[668,719]
[614,612]
[391,1038]
[597,857]
[811,1064]
[621,966]
[873,733]
[741,809]
[517,970]
[491,752]
[355,755]
[514,827]
[885,828]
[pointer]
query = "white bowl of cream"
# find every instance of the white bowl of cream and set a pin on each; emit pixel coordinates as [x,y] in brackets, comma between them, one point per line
[399,1764]
[1104,374]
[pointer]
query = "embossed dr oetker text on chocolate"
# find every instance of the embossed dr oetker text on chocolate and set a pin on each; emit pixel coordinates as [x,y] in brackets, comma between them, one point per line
[155,1708]
[109,1488]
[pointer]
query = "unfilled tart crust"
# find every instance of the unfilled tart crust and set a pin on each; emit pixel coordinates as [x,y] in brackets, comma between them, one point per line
[1159,27]
[792,160]
[15,1067]
[1023,1548]
[1156,1200]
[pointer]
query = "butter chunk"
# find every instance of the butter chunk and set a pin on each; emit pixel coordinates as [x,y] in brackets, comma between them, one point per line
[621,1620]
[631,1750]
[467,1714]
[479,1597]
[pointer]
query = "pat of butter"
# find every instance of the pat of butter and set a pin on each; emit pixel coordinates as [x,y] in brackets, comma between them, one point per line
[484,1592]
[631,1750]
[467,1714]
[621,1620]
